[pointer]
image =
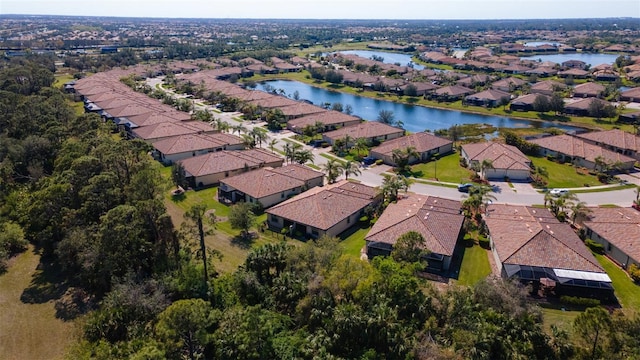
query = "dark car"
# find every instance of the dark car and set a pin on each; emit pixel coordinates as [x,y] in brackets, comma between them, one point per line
[368,160]
[464,187]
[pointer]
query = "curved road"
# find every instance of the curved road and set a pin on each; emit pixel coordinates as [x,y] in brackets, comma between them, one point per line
[521,194]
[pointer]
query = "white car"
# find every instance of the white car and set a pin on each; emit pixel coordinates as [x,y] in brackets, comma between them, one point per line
[558,192]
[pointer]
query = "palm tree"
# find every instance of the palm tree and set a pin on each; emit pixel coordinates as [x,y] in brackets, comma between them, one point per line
[386,117]
[401,157]
[579,212]
[361,145]
[304,156]
[239,129]
[333,169]
[259,135]
[293,153]
[479,196]
[485,165]
[272,145]
[248,141]
[346,139]
[350,168]
[392,185]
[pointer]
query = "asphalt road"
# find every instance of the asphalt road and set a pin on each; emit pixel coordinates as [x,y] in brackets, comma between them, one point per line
[520,194]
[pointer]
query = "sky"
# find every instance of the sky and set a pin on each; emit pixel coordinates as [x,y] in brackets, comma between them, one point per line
[330,9]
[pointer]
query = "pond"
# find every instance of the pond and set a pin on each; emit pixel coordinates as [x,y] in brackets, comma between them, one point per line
[415,118]
[589,58]
[389,57]
[538,43]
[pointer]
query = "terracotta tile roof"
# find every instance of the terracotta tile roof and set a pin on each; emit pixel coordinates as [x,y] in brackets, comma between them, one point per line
[574,72]
[491,94]
[547,85]
[324,207]
[454,90]
[583,104]
[438,220]
[262,182]
[619,226]
[158,117]
[132,109]
[299,172]
[573,146]
[616,137]
[195,142]
[221,161]
[301,108]
[528,99]
[366,130]
[327,118]
[633,92]
[589,88]
[533,237]
[510,81]
[421,141]
[167,129]
[503,156]
[275,101]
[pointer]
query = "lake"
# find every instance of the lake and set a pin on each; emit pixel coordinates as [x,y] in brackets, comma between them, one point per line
[593,59]
[415,118]
[389,57]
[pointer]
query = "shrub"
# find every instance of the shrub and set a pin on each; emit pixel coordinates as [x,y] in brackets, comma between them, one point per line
[579,301]
[594,246]
[634,272]
[551,157]
[379,162]
[484,243]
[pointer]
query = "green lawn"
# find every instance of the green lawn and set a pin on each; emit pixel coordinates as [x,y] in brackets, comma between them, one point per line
[627,292]
[353,241]
[475,265]
[563,319]
[29,328]
[446,168]
[564,175]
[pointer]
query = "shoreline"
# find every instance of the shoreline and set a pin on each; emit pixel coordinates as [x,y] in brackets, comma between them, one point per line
[311,82]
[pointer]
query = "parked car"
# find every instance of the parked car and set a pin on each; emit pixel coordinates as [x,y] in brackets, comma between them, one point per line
[465,187]
[368,160]
[558,192]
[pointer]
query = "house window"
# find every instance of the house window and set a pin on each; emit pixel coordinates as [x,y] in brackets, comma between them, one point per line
[608,247]
[226,174]
[282,195]
[349,220]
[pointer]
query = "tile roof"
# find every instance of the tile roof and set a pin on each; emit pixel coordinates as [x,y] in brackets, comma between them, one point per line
[324,207]
[366,130]
[421,141]
[221,161]
[453,90]
[300,172]
[167,129]
[528,99]
[616,137]
[262,182]
[588,88]
[547,85]
[573,146]
[619,226]
[327,118]
[529,236]
[502,156]
[195,142]
[438,220]
[490,94]
[510,81]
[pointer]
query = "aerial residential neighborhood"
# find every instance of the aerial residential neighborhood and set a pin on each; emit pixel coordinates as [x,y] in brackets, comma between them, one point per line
[310,189]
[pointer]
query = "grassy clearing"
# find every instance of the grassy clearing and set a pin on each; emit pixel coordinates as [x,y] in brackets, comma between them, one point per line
[224,239]
[446,168]
[564,175]
[30,329]
[563,319]
[61,79]
[475,265]
[435,183]
[627,292]
[331,157]
[353,241]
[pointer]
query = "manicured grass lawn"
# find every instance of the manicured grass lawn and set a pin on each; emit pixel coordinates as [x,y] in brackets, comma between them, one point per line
[564,175]
[612,188]
[446,168]
[475,265]
[353,242]
[627,292]
[30,329]
[563,319]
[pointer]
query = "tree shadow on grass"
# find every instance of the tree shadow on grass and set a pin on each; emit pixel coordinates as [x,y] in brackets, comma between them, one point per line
[47,283]
[244,241]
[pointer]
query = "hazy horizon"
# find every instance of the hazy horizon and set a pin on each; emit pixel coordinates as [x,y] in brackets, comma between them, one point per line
[332,9]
